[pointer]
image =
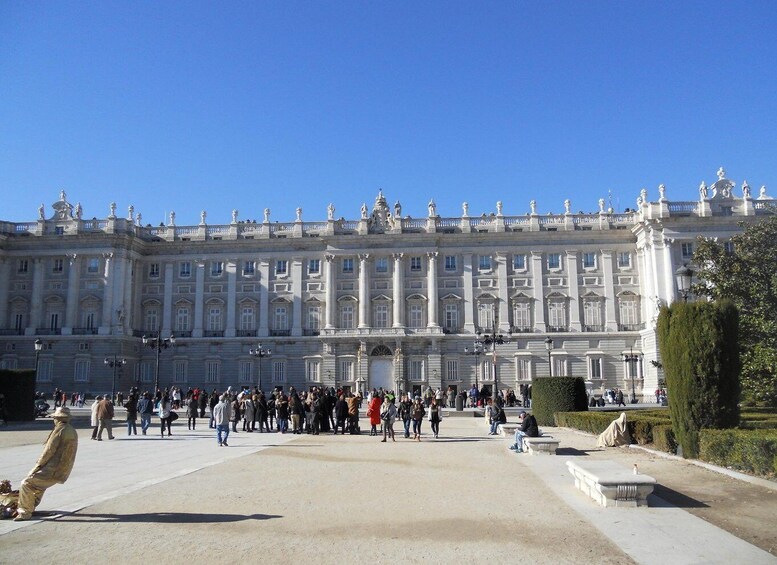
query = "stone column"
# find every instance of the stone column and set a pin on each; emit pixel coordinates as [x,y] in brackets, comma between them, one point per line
[264,298]
[364,291]
[5,272]
[431,284]
[131,282]
[199,298]
[331,294]
[36,304]
[539,293]
[610,320]
[71,313]
[504,299]
[107,316]
[119,277]
[231,328]
[167,301]
[296,300]
[574,292]
[398,292]
[469,306]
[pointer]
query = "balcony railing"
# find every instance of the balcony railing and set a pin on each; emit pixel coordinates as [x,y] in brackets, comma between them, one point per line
[557,329]
[84,331]
[213,333]
[48,331]
[630,327]
[182,333]
[246,333]
[522,329]
[280,333]
[18,331]
[593,328]
[311,332]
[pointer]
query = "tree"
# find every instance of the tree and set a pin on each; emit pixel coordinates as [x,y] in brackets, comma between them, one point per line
[746,274]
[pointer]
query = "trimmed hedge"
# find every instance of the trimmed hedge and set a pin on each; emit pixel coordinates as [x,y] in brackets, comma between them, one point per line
[754,451]
[663,438]
[699,345]
[557,394]
[640,428]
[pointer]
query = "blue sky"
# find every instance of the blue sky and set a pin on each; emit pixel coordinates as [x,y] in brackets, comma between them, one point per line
[247,105]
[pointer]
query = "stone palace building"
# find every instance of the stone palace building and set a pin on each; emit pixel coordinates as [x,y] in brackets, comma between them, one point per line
[383,300]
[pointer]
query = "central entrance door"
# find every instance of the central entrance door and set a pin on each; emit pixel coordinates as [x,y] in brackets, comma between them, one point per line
[381,373]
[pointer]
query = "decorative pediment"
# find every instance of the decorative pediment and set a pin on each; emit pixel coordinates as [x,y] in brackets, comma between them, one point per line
[151,302]
[381,298]
[90,298]
[591,295]
[451,297]
[521,297]
[347,298]
[627,294]
[183,302]
[215,300]
[416,296]
[487,296]
[722,189]
[280,300]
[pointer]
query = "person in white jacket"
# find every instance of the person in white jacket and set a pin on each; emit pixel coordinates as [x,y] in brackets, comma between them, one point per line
[222,413]
[95,422]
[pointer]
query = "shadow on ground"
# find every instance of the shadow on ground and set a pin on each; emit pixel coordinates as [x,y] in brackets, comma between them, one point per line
[160,518]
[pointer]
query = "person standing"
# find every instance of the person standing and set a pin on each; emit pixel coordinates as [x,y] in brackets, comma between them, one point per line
[192,408]
[406,413]
[132,414]
[282,413]
[619,397]
[235,414]
[94,421]
[212,401]
[146,410]
[202,400]
[341,414]
[53,466]
[373,411]
[435,416]
[165,413]
[105,418]
[418,417]
[221,415]
[248,410]
[389,415]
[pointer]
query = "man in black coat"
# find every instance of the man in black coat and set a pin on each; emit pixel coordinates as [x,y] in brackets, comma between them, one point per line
[341,414]
[528,429]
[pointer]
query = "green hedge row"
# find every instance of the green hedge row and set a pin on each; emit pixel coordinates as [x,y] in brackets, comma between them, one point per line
[754,451]
[557,394]
[640,427]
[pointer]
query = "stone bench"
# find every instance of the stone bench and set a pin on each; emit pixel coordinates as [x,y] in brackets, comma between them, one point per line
[611,484]
[545,445]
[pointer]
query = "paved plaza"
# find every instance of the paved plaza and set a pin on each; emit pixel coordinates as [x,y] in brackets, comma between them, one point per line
[346,499]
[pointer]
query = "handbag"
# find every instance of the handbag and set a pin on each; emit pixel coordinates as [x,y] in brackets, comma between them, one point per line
[173,416]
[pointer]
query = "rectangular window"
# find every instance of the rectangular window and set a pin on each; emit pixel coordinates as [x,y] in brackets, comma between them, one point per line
[451,317]
[522,316]
[212,371]
[594,368]
[415,264]
[687,250]
[216,268]
[450,262]
[152,320]
[523,369]
[180,371]
[185,269]
[348,265]
[281,318]
[247,318]
[557,316]
[281,267]
[81,373]
[279,371]
[57,266]
[452,370]
[312,371]
[314,266]
[416,316]
[554,260]
[592,315]
[416,370]
[214,319]
[87,320]
[519,262]
[485,315]
[245,371]
[93,265]
[314,317]
[153,271]
[346,370]
[381,265]
[23,265]
[54,321]
[249,268]
[559,366]
[45,370]
[182,319]
[624,260]
[589,260]
[484,263]
[146,372]
[381,316]
[629,314]
[346,317]
[18,321]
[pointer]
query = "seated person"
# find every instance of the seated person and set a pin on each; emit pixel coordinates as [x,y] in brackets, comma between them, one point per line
[616,434]
[528,429]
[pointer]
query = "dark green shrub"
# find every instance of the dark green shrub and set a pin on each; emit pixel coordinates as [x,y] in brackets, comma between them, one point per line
[591,422]
[754,451]
[700,351]
[557,394]
[663,438]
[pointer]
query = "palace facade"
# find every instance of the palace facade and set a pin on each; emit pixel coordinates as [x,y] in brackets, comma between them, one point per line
[382,300]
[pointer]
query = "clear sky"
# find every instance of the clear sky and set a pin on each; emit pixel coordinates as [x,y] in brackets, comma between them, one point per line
[221,105]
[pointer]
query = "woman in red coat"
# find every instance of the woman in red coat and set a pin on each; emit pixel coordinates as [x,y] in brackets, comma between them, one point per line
[373,411]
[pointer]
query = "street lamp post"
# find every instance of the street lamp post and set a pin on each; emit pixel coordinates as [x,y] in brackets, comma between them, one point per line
[683,276]
[549,347]
[260,353]
[38,349]
[488,343]
[632,359]
[158,343]
[477,349]
[113,363]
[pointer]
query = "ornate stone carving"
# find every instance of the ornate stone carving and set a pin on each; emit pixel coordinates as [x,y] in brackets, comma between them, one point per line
[298,212]
[131,213]
[234,216]
[113,211]
[567,206]
[703,190]
[330,212]
[266,215]
[746,190]
[533,207]
[432,209]
[172,217]
[499,208]
[464,210]
[662,192]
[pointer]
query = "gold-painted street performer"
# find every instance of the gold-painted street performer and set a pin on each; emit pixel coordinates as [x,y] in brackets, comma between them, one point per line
[53,466]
